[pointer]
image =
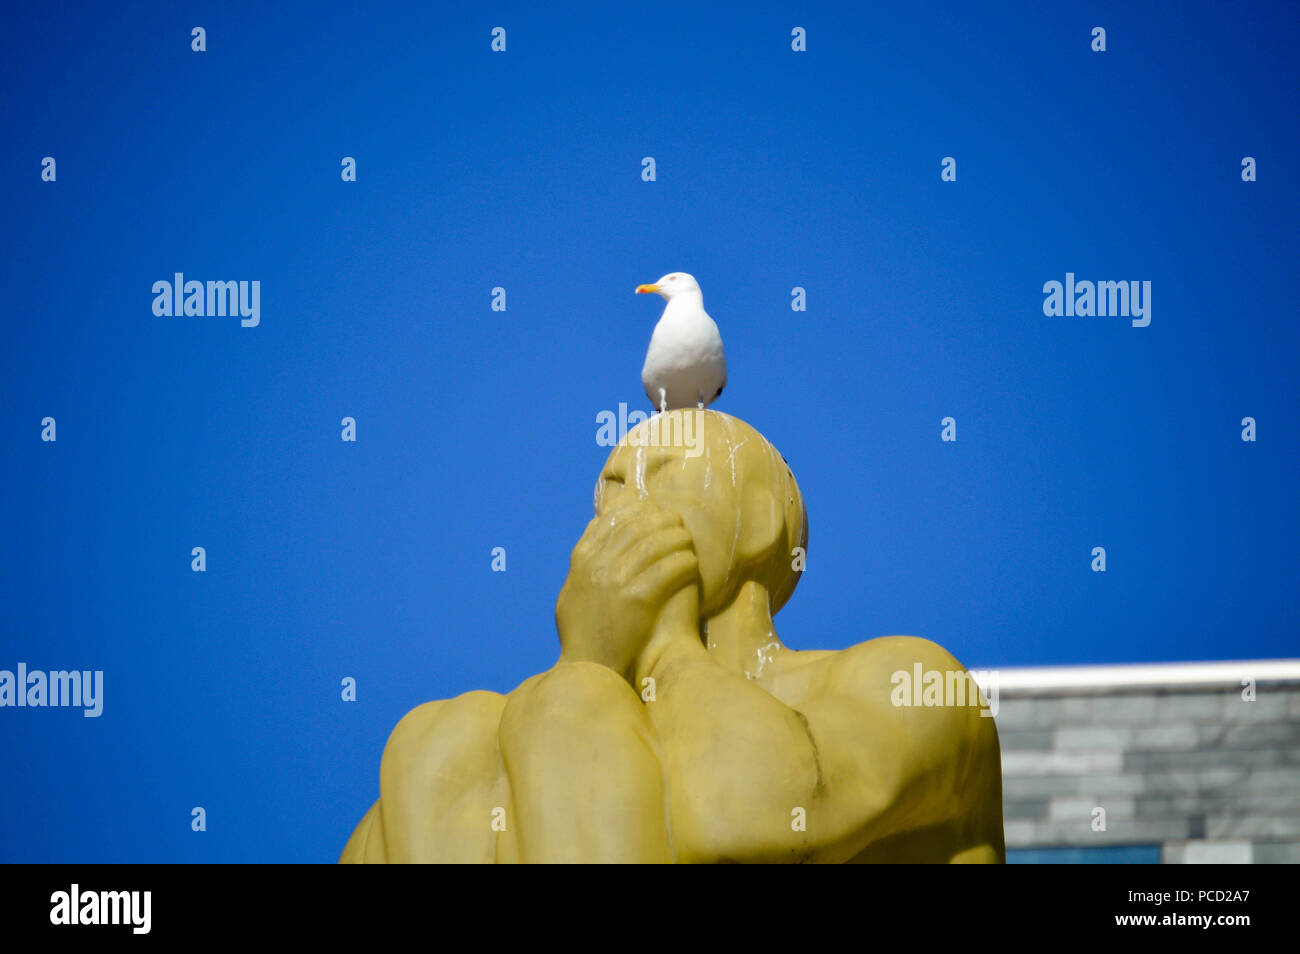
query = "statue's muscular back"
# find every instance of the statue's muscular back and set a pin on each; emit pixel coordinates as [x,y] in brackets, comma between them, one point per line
[808,763]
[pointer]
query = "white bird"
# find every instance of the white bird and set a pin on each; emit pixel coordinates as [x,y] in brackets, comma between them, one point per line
[684,365]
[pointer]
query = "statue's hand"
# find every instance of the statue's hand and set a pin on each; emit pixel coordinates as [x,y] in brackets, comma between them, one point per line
[627,564]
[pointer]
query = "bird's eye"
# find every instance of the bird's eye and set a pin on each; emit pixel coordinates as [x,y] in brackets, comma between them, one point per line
[672,278]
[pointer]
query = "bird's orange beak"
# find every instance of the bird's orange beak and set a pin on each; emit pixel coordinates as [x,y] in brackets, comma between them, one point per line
[642,289]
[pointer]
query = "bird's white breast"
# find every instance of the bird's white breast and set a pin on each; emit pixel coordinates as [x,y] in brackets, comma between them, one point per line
[685,356]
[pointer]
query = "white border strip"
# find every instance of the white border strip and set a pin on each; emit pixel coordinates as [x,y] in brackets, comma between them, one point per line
[1147,674]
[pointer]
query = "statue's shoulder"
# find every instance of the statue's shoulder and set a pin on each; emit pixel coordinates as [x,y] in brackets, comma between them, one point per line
[870,666]
[440,729]
[440,767]
[892,674]
[922,690]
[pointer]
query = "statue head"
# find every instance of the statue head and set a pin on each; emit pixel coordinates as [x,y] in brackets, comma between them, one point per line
[734,491]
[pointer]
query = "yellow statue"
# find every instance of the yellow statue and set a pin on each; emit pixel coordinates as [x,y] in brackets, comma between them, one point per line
[675,725]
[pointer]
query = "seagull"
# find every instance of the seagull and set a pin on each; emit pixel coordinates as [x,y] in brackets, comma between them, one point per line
[684,365]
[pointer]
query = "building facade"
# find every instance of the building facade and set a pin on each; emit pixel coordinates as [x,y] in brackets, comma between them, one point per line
[1169,763]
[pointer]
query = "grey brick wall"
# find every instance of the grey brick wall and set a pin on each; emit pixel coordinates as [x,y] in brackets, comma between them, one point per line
[1199,771]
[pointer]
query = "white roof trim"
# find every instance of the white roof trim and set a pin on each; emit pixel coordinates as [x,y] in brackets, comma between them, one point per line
[1120,676]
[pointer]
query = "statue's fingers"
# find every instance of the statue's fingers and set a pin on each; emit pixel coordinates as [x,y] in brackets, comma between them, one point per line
[634,505]
[668,575]
[640,526]
[600,528]
[655,547]
[597,531]
[647,522]
[640,508]
[612,534]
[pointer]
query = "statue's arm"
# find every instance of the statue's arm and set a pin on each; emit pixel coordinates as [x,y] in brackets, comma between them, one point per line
[366,846]
[583,764]
[566,767]
[441,784]
[584,769]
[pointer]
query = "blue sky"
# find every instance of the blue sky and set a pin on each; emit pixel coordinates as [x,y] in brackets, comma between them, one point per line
[477,428]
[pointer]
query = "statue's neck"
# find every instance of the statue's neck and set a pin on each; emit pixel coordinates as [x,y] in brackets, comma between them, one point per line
[742,637]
